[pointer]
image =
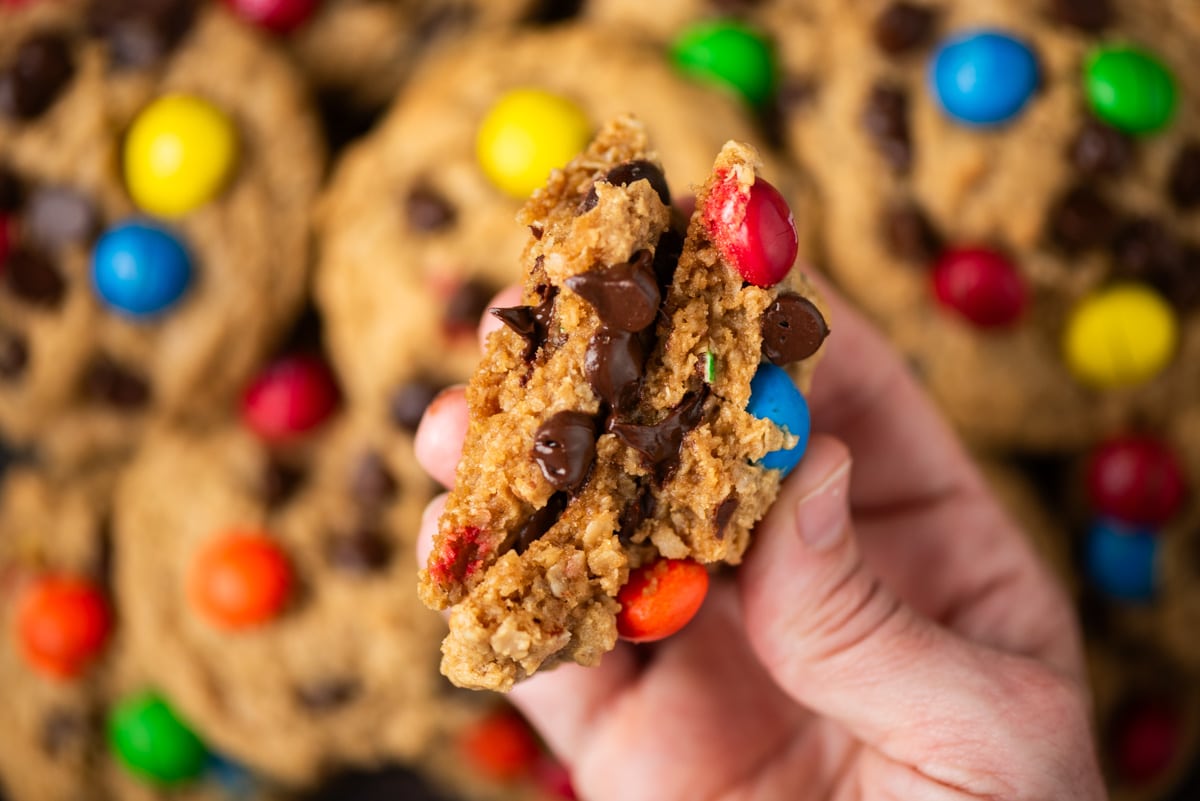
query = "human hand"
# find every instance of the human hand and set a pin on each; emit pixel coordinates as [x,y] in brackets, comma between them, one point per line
[891,634]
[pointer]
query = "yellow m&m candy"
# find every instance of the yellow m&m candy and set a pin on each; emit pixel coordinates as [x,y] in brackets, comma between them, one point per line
[1120,336]
[179,154]
[525,135]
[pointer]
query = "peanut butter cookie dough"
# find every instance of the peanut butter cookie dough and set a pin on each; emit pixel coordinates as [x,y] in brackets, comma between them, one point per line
[1013,189]
[153,215]
[416,231]
[633,415]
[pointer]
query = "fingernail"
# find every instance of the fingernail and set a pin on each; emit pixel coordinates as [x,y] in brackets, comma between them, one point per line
[821,515]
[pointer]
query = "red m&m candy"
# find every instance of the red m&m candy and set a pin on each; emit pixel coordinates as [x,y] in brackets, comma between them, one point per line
[660,599]
[279,16]
[500,746]
[62,625]
[290,397]
[980,285]
[239,581]
[755,231]
[1137,480]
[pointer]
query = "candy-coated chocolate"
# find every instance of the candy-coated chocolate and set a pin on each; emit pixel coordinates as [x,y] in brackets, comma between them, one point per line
[1137,480]
[525,135]
[1146,740]
[1130,89]
[153,743]
[755,231]
[500,746]
[63,624]
[180,152]
[980,285]
[1120,336]
[729,54]
[290,397]
[983,77]
[240,580]
[660,599]
[1122,561]
[140,269]
[774,397]
[277,16]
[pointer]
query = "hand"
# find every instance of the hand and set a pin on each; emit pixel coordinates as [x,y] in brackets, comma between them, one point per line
[891,634]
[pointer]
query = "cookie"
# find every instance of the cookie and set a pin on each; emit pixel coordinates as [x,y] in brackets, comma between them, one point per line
[1027,235]
[67,674]
[622,420]
[415,235]
[1041,523]
[154,214]
[280,614]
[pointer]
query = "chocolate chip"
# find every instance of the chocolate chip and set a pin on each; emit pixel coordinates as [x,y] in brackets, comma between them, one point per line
[1082,219]
[328,695]
[280,482]
[113,385]
[33,278]
[59,216]
[793,329]
[615,362]
[467,305]
[661,443]
[41,69]
[1100,151]
[428,210]
[372,483]
[141,32]
[1145,250]
[641,509]
[725,513]
[12,191]
[409,402]
[390,783]
[14,355]
[536,232]
[547,12]
[1184,291]
[903,27]
[625,296]
[886,120]
[538,524]
[910,235]
[627,173]
[1087,15]
[360,552]
[64,731]
[1184,184]
[564,447]
[531,322]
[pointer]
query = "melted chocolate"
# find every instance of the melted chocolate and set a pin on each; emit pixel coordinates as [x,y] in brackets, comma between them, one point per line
[724,513]
[565,449]
[660,443]
[538,523]
[615,362]
[625,296]
[531,322]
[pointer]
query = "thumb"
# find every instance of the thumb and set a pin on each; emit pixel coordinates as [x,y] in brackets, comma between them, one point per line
[840,643]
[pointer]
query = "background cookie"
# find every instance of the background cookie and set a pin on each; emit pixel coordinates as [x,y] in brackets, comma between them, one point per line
[415,237]
[155,207]
[1032,261]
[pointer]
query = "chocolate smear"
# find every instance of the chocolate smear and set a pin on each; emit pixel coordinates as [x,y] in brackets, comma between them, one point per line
[538,523]
[564,447]
[724,513]
[531,322]
[661,443]
[615,364]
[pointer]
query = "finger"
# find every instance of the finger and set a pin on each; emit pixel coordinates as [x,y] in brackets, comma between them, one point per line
[429,520]
[839,642]
[509,296]
[863,394]
[440,435]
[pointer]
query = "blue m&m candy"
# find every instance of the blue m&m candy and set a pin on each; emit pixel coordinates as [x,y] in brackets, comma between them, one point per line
[1121,561]
[983,77]
[140,269]
[774,397]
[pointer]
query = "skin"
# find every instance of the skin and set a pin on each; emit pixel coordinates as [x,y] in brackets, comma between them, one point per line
[890,635]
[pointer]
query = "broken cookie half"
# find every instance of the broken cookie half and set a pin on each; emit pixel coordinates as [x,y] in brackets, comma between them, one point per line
[632,421]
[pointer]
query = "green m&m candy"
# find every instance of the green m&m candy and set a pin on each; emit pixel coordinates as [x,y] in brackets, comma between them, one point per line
[730,54]
[1130,89]
[153,743]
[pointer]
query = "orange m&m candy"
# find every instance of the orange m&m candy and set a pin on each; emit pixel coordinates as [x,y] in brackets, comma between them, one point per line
[239,581]
[660,599]
[63,623]
[500,746]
